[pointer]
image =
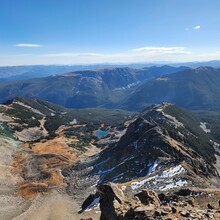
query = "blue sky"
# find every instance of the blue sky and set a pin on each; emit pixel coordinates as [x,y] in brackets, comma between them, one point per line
[108,31]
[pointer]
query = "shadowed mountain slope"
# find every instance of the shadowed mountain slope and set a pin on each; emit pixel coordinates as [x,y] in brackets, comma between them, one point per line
[83,89]
[195,89]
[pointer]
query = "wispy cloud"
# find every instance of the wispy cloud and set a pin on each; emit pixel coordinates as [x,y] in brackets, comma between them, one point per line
[137,53]
[193,28]
[73,55]
[197,27]
[143,54]
[162,50]
[28,45]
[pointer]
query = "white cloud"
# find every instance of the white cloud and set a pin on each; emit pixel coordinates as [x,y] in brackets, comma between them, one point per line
[162,50]
[134,53]
[138,54]
[143,54]
[28,45]
[197,27]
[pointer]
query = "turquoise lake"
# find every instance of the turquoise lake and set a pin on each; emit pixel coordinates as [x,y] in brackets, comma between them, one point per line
[101,133]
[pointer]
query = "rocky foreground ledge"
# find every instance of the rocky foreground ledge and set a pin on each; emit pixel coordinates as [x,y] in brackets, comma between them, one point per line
[186,203]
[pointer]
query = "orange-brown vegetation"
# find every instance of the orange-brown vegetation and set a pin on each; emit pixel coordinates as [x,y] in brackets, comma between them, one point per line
[40,164]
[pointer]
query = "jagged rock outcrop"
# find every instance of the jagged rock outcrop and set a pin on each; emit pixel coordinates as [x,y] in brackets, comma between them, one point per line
[187,203]
[115,205]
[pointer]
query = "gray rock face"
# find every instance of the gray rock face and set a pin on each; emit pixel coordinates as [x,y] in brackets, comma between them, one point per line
[115,205]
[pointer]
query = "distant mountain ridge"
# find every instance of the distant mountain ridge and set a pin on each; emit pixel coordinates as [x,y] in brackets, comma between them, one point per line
[194,89]
[12,73]
[23,72]
[83,89]
[125,88]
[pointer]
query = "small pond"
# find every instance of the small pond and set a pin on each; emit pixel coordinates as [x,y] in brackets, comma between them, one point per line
[101,133]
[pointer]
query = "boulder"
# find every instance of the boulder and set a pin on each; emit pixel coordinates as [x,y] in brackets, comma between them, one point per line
[148,197]
[115,205]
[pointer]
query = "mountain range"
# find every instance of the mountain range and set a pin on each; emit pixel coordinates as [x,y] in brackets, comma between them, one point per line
[195,89]
[83,89]
[125,88]
[12,73]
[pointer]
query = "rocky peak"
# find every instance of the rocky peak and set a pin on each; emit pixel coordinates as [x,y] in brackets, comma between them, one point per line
[114,204]
[160,138]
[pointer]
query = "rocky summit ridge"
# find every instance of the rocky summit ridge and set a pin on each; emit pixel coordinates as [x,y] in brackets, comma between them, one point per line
[158,139]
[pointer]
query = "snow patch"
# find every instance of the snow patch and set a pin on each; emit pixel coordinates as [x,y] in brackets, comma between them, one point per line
[215,144]
[179,183]
[152,168]
[172,120]
[127,87]
[162,78]
[95,203]
[165,178]
[173,171]
[73,122]
[180,134]
[204,128]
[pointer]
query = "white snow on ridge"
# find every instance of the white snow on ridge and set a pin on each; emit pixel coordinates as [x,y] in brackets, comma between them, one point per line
[173,171]
[172,185]
[137,185]
[152,168]
[215,144]
[204,128]
[127,86]
[162,79]
[160,107]
[170,118]
[166,177]
[173,120]
[73,122]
